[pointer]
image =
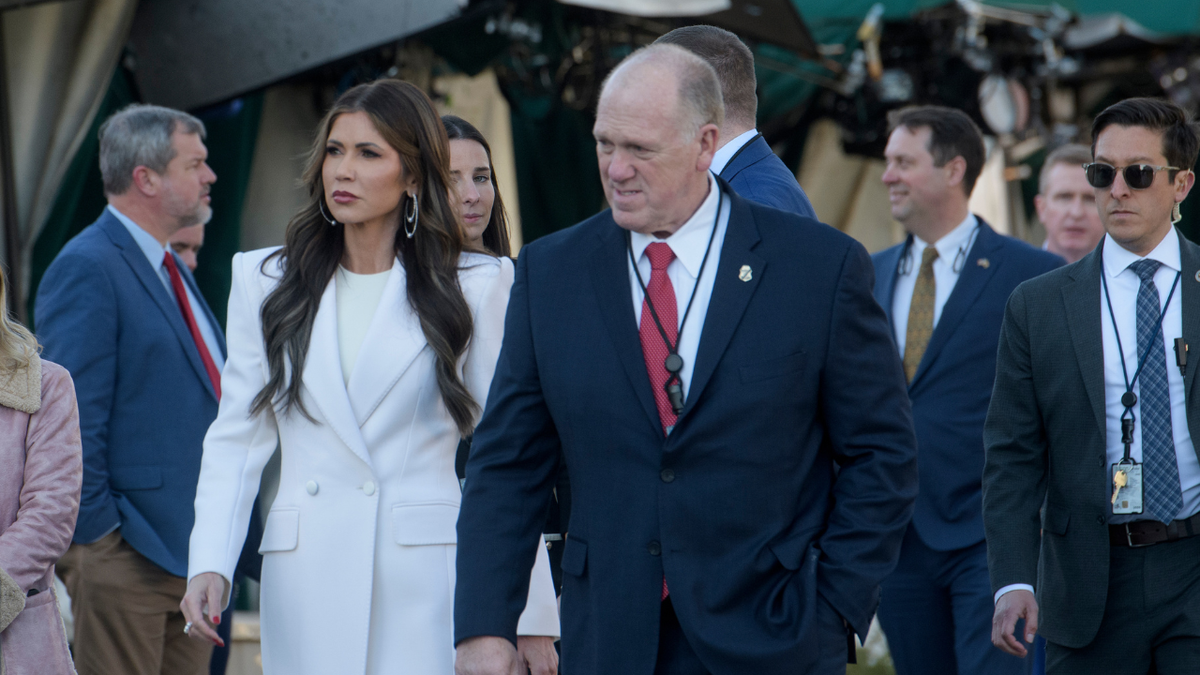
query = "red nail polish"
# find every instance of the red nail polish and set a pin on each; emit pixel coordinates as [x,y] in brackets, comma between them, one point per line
[217,620]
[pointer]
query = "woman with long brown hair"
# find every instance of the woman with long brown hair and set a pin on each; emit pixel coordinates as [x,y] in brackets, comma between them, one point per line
[41,472]
[473,176]
[365,347]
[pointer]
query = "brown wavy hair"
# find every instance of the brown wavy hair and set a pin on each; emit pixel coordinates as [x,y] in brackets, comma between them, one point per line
[495,237]
[406,119]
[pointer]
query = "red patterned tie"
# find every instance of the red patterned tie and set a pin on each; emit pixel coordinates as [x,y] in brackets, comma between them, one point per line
[185,308]
[661,293]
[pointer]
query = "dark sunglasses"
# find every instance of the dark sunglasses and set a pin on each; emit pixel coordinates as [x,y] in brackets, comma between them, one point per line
[1137,176]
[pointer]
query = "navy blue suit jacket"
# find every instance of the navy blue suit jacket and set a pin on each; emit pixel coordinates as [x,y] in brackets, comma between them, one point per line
[742,506]
[145,400]
[952,387]
[759,175]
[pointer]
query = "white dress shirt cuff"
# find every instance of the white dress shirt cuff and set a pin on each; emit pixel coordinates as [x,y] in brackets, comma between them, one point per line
[1013,587]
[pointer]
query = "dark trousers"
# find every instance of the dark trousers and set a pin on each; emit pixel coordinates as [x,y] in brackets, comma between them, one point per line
[936,610]
[1151,621]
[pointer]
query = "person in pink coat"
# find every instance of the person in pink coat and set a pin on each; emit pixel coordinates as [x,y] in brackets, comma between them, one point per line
[41,470]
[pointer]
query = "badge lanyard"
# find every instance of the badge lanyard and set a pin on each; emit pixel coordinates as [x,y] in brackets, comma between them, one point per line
[1127,473]
[674,362]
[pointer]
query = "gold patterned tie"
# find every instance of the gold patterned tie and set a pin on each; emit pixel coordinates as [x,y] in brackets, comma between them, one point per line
[920,314]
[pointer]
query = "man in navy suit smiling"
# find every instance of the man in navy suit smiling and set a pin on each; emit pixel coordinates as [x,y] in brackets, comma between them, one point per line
[945,289]
[729,404]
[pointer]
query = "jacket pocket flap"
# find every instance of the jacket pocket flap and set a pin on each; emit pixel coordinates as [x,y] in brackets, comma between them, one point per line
[574,558]
[282,532]
[787,365]
[135,477]
[425,524]
[1056,520]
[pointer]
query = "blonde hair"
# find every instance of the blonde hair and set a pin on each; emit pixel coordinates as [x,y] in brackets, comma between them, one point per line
[18,346]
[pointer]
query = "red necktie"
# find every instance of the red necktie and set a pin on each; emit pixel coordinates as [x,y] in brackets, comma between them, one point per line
[661,293]
[185,308]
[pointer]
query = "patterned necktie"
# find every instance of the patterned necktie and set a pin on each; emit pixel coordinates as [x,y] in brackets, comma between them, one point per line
[920,314]
[1164,498]
[185,308]
[661,293]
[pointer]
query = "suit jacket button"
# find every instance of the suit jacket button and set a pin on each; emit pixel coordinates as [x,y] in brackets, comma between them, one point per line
[1101,519]
[312,487]
[654,548]
[667,475]
[368,488]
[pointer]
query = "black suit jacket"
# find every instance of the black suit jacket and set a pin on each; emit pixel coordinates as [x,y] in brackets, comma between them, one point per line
[1045,437]
[742,506]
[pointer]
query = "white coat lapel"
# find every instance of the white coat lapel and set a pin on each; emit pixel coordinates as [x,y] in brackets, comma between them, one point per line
[323,376]
[392,343]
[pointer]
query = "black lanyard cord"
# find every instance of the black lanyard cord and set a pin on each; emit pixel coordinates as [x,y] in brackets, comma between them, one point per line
[673,348]
[1129,399]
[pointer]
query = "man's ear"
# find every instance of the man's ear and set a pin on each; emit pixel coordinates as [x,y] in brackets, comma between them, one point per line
[1182,188]
[710,140]
[956,171]
[146,181]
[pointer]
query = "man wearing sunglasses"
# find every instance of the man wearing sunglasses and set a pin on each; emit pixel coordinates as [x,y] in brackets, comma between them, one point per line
[1089,417]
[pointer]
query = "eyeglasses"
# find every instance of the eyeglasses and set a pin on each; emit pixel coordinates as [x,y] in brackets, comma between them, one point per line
[1137,176]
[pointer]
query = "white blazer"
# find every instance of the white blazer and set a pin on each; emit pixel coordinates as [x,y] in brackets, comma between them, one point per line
[359,545]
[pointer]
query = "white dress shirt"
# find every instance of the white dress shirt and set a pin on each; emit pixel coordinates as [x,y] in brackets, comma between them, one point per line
[688,243]
[154,253]
[1123,285]
[726,152]
[357,297]
[944,274]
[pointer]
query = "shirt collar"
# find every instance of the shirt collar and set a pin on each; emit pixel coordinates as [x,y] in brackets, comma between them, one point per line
[948,246]
[690,242]
[153,250]
[1117,258]
[726,152]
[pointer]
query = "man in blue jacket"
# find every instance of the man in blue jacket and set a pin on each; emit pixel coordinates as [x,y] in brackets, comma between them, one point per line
[731,410]
[944,290]
[123,314]
[743,157]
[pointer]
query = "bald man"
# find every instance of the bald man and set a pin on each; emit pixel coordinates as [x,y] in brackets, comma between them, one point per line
[728,401]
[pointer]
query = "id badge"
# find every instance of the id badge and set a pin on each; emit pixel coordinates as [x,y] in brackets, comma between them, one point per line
[1127,488]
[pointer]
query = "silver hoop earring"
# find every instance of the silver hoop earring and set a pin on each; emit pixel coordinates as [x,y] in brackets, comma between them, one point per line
[1176,216]
[411,216]
[326,216]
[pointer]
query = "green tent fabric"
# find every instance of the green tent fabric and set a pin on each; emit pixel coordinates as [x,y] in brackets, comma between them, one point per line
[232,132]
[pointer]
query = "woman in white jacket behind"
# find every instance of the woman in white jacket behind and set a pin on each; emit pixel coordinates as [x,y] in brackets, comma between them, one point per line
[365,347]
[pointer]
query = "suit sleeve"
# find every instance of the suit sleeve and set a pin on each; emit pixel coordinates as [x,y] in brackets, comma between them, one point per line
[541,609]
[510,476]
[77,326]
[238,444]
[869,420]
[1015,462]
[49,499]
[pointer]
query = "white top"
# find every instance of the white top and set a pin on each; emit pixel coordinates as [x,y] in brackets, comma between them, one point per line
[357,299]
[1123,285]
[689,243]
[154,253]
[944,275]
[726,152]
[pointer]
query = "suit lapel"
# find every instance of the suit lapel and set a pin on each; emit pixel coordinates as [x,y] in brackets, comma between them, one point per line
[748,154]
[150,281]
[973,278]
[1189,282]
[610,279]
[885,283]
[190,280]
[1081,299]
[392,343]
[323,376]
[730,295]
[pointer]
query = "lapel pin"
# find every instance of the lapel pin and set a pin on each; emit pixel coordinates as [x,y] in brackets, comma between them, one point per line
[745,273]
[984,263]
[1198,275]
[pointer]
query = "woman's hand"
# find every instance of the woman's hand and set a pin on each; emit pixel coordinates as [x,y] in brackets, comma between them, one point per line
[537,653]
[204,593]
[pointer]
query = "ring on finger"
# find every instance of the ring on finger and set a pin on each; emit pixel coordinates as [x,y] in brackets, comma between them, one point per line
[187,628]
